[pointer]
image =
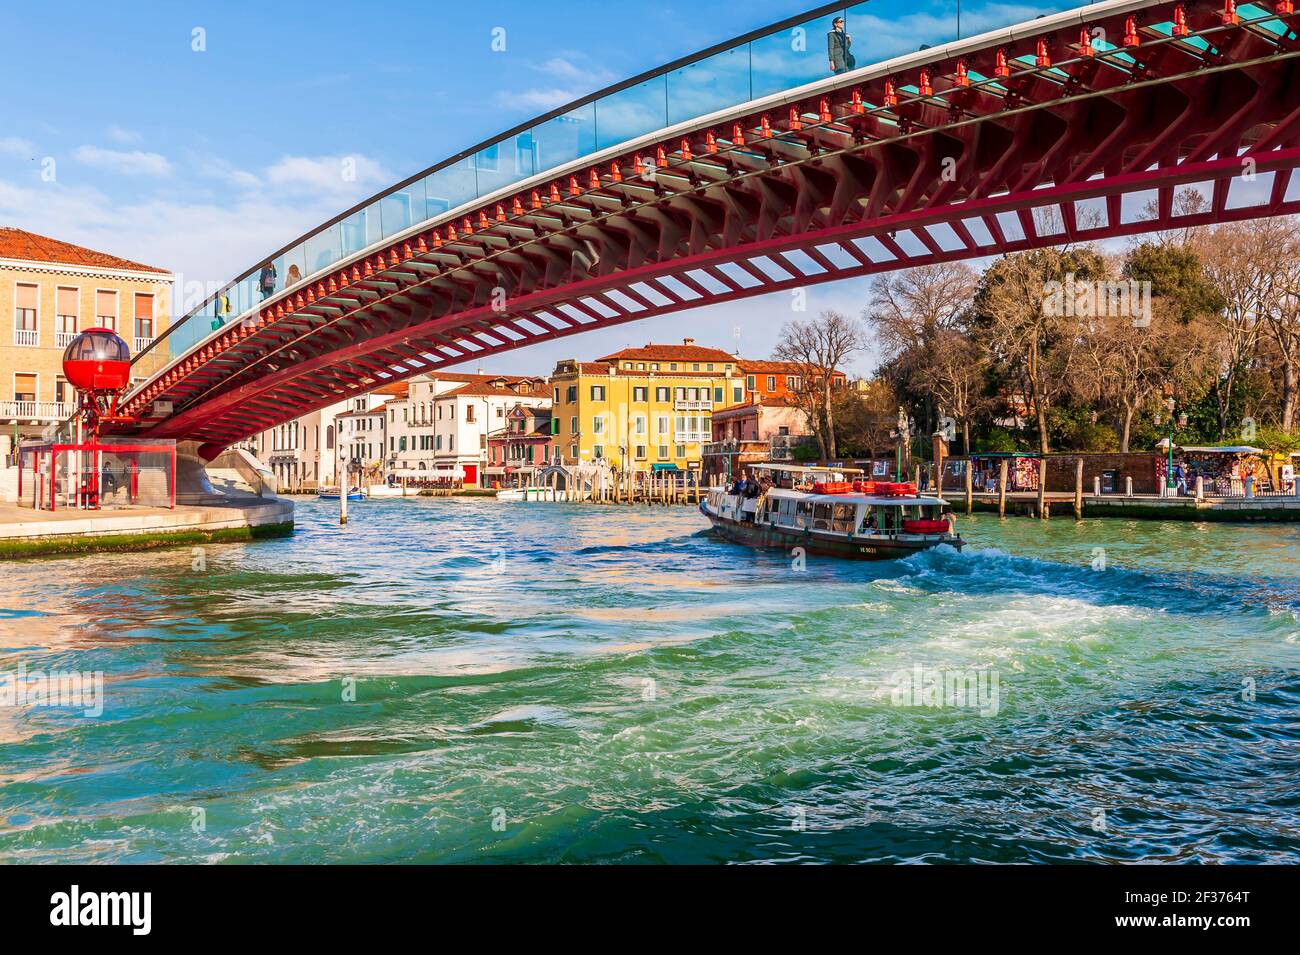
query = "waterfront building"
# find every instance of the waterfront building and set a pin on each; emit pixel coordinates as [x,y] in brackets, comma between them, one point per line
[463,417]
[49,291]
[521,449]
[642,409]
[761,429]
[777,379]
[423,440]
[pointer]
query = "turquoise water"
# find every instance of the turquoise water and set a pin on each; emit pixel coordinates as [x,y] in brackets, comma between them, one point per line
[577,683]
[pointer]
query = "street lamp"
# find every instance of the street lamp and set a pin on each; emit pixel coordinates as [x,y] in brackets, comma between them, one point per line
[1180,421]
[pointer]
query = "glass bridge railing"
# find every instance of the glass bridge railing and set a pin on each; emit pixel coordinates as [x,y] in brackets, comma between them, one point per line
[777,58]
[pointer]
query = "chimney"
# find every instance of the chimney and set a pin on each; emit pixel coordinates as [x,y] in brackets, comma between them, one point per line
[688,341]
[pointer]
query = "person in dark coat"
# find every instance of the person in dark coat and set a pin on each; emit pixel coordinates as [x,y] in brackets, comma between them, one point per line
[837,48]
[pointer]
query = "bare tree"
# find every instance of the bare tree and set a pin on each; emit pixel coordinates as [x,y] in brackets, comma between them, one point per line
[1280,306]
[1030,345]
[909,314]
[1122,366]
[820,347]
[955,376]
[1243,262]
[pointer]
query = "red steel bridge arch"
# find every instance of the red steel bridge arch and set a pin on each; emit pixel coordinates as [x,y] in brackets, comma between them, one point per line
[950,153]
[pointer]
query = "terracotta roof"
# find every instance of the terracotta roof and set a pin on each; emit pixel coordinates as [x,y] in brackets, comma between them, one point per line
[752,367]
[30,247]
[398,389]
[484,388]
[689,352]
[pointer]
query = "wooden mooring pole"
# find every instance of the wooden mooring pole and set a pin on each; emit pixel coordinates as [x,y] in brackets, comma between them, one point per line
[1042,489]
[1078,489]
[1002,488]
[970,486]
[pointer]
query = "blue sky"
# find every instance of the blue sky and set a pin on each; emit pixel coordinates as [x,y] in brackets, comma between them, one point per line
[127,139]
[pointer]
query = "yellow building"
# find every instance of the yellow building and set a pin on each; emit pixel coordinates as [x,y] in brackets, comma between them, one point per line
[642,409]
[49,291]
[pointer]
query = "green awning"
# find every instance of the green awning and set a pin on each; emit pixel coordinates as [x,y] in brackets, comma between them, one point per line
[656,468]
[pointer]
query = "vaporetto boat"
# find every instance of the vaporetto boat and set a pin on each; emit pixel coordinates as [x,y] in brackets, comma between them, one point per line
[831,512]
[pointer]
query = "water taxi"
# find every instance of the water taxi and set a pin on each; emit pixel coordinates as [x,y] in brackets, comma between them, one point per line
[529,493]
[829,511]
[332,494]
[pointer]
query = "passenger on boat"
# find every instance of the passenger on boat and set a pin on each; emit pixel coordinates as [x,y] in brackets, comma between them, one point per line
[951,518]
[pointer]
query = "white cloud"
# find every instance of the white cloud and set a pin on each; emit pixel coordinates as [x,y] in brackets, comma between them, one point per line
[119,134]
[214,167]
[134,163]
[542,100]
[576,80]
[568,70]
[13,146]
[327,175]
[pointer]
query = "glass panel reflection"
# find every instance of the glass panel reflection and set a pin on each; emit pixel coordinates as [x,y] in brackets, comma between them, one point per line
[713,83]
[632,112]
[450,187]
[793,56]
[565,138]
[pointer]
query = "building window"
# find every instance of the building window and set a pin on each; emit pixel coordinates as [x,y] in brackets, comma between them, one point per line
[469,413]
[597,392]
[639,424]
[681,450]
[661,394]
[663,452]
[791,382]
[598,451]
[143,321]
[639,393]
[24,386]
[66,308]
[25,313]
[737,395]
[751,383]
[598,424]
[663,424]
[717,395]
[106,309]
[573,426]
[771,383]
[640,452]
[571,394]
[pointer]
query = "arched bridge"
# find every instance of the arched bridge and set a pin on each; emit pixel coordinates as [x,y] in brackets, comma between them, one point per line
[1074,126]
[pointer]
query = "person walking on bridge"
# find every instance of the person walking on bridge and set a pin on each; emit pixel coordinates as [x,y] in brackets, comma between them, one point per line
[837,48]
[266,281]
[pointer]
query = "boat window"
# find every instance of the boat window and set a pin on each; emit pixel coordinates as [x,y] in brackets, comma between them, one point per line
[868,520]
[842,522]
[803,514]
[823,515]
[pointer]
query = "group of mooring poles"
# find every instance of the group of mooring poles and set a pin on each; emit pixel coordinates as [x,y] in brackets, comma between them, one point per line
[1042,506]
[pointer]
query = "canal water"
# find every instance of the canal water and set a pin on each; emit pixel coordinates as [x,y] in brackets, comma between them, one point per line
[481,681]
